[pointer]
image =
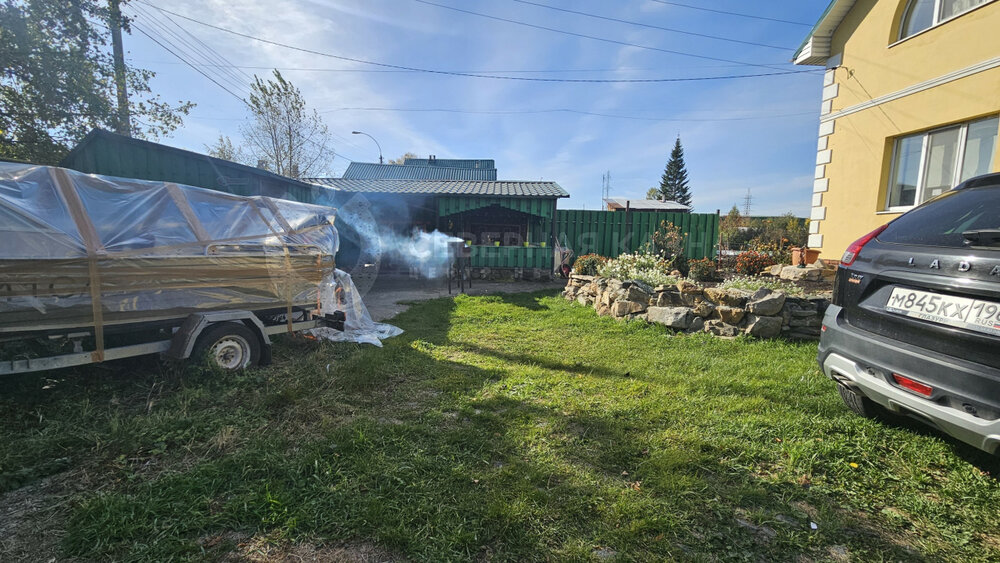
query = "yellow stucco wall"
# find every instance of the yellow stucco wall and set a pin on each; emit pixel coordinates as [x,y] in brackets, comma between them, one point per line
[873,65]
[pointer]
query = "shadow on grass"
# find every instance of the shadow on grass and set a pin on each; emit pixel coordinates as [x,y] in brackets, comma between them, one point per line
[407,448]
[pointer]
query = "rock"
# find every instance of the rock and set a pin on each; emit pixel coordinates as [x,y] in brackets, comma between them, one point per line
[775,270]
[703,308]
[581,299]
[795,273]
[581,278]
[621,309]
[768,304]
[635,292]
[604,311]
[673,317]
[720,328]
[669,299]
[697,325]
[728,297]
[685,286]
[763,327]
[730,315]
[676,273]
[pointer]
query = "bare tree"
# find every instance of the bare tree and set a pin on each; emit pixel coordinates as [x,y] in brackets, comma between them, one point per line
[283,134]
[402,159]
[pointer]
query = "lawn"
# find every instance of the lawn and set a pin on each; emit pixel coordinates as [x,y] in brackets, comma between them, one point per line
[518,427]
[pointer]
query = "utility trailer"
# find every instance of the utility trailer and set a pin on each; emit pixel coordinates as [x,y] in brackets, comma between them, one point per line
[96,268]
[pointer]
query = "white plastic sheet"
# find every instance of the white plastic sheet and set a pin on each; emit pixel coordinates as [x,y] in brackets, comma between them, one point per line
[338,293]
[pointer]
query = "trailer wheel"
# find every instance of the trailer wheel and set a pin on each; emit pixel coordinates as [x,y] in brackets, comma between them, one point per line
[228,346]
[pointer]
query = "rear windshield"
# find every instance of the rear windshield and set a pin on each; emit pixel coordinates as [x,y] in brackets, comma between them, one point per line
[941,221]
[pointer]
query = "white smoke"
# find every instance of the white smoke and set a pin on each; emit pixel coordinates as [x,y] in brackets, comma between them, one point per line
[425,254]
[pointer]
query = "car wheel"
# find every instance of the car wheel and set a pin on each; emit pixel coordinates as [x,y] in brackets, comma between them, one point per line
[859,403]
[228,346]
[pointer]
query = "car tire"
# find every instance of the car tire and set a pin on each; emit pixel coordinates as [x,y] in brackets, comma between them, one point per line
[860,404]
[228,346]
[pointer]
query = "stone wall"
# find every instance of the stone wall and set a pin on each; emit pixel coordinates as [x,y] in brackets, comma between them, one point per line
[690,308]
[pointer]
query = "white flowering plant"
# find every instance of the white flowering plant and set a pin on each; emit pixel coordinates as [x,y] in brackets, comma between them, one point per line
[644,267]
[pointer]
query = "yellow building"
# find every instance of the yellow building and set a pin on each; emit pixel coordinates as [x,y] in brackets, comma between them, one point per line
[911,98]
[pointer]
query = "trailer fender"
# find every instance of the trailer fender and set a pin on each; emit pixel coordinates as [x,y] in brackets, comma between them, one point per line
[184,339]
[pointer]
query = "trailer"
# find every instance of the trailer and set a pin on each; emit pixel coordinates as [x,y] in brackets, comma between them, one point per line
[96,268]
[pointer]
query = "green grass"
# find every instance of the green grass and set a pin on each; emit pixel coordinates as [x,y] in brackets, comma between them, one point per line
[514,428]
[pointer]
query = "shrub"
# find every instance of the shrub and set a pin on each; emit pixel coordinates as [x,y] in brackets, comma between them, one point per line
[589,264]
[701,270]
[647,268]
[751,263]
[748,283]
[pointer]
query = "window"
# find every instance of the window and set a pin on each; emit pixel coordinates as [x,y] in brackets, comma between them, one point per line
[924,14]
[928,164]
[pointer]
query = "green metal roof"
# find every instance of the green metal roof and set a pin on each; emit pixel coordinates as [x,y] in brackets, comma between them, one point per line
[506,188]
[453,162]
[375,171]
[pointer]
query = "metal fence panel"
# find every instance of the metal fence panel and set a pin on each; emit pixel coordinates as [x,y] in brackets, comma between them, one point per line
[610,233]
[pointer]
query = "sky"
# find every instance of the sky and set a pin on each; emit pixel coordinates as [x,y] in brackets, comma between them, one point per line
[756,133]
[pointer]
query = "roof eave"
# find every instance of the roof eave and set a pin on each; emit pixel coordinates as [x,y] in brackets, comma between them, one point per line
[815,48]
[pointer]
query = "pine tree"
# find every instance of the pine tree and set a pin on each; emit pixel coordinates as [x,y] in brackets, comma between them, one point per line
[674,182]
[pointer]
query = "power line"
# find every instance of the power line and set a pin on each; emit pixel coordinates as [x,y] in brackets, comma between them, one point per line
[650,26]
[532,71]
[738,14]
[564,110]
[594,37]
[479,75]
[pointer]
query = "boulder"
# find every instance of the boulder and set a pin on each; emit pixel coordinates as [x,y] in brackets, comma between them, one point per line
[775,270]
[636,292]
[621,309]
[794,273]
[604,311]
[697,325]
[703,308]
[581,299]
[720,328]
[685,286]
[669,299]
[581,279]
[728,297]
[673,317]
[766,303]
[763,327]
[730,315]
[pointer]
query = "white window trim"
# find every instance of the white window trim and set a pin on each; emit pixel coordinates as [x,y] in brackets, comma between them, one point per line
[963,136]
[937,22]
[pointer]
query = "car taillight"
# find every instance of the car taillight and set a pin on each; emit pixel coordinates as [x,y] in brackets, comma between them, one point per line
[852,251]
[914,386]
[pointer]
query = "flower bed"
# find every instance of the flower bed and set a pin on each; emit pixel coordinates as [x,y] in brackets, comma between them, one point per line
[685,306]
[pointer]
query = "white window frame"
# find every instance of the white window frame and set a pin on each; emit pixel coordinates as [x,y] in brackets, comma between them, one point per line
[963,136]
[938,7]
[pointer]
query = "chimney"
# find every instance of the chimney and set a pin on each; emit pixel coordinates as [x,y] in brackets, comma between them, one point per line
[431,158]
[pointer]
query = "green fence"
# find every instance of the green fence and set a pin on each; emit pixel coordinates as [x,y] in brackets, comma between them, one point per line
[512,257]
[610,233]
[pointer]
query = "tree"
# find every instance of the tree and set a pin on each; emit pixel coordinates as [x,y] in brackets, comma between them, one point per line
[674,182]
[226,150]
[402,159]
[58,80]
[729,227]
[653,193]
[289,139]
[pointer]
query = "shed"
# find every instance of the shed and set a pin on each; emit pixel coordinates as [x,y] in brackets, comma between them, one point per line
[110,154]
[510,224]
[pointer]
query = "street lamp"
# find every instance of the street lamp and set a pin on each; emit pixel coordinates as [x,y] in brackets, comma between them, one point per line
[372,138]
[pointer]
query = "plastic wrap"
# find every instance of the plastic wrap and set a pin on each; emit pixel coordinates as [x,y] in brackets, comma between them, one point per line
[338,293]
[80,250]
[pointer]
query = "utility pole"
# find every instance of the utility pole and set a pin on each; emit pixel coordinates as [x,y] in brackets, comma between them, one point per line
[124,119]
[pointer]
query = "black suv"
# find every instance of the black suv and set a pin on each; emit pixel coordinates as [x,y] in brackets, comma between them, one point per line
[915,322]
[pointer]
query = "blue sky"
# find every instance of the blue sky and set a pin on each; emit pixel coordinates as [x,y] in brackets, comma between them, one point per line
[757,133]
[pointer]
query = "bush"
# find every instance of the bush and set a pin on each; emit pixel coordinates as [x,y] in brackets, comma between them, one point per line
[647,268]
[701,270]
[589,264]
[751,263]
[748,283]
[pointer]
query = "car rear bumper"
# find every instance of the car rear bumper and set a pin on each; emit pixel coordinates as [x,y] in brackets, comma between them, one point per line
[865,363]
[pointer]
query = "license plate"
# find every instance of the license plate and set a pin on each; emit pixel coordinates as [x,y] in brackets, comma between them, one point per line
[973,314]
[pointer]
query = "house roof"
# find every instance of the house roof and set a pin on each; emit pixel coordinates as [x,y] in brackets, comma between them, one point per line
[645,204]
[506,188]
[815,49]
[375,171]
[452,162]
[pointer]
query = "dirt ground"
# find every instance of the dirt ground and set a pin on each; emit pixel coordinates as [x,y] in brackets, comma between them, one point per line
[388,295]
